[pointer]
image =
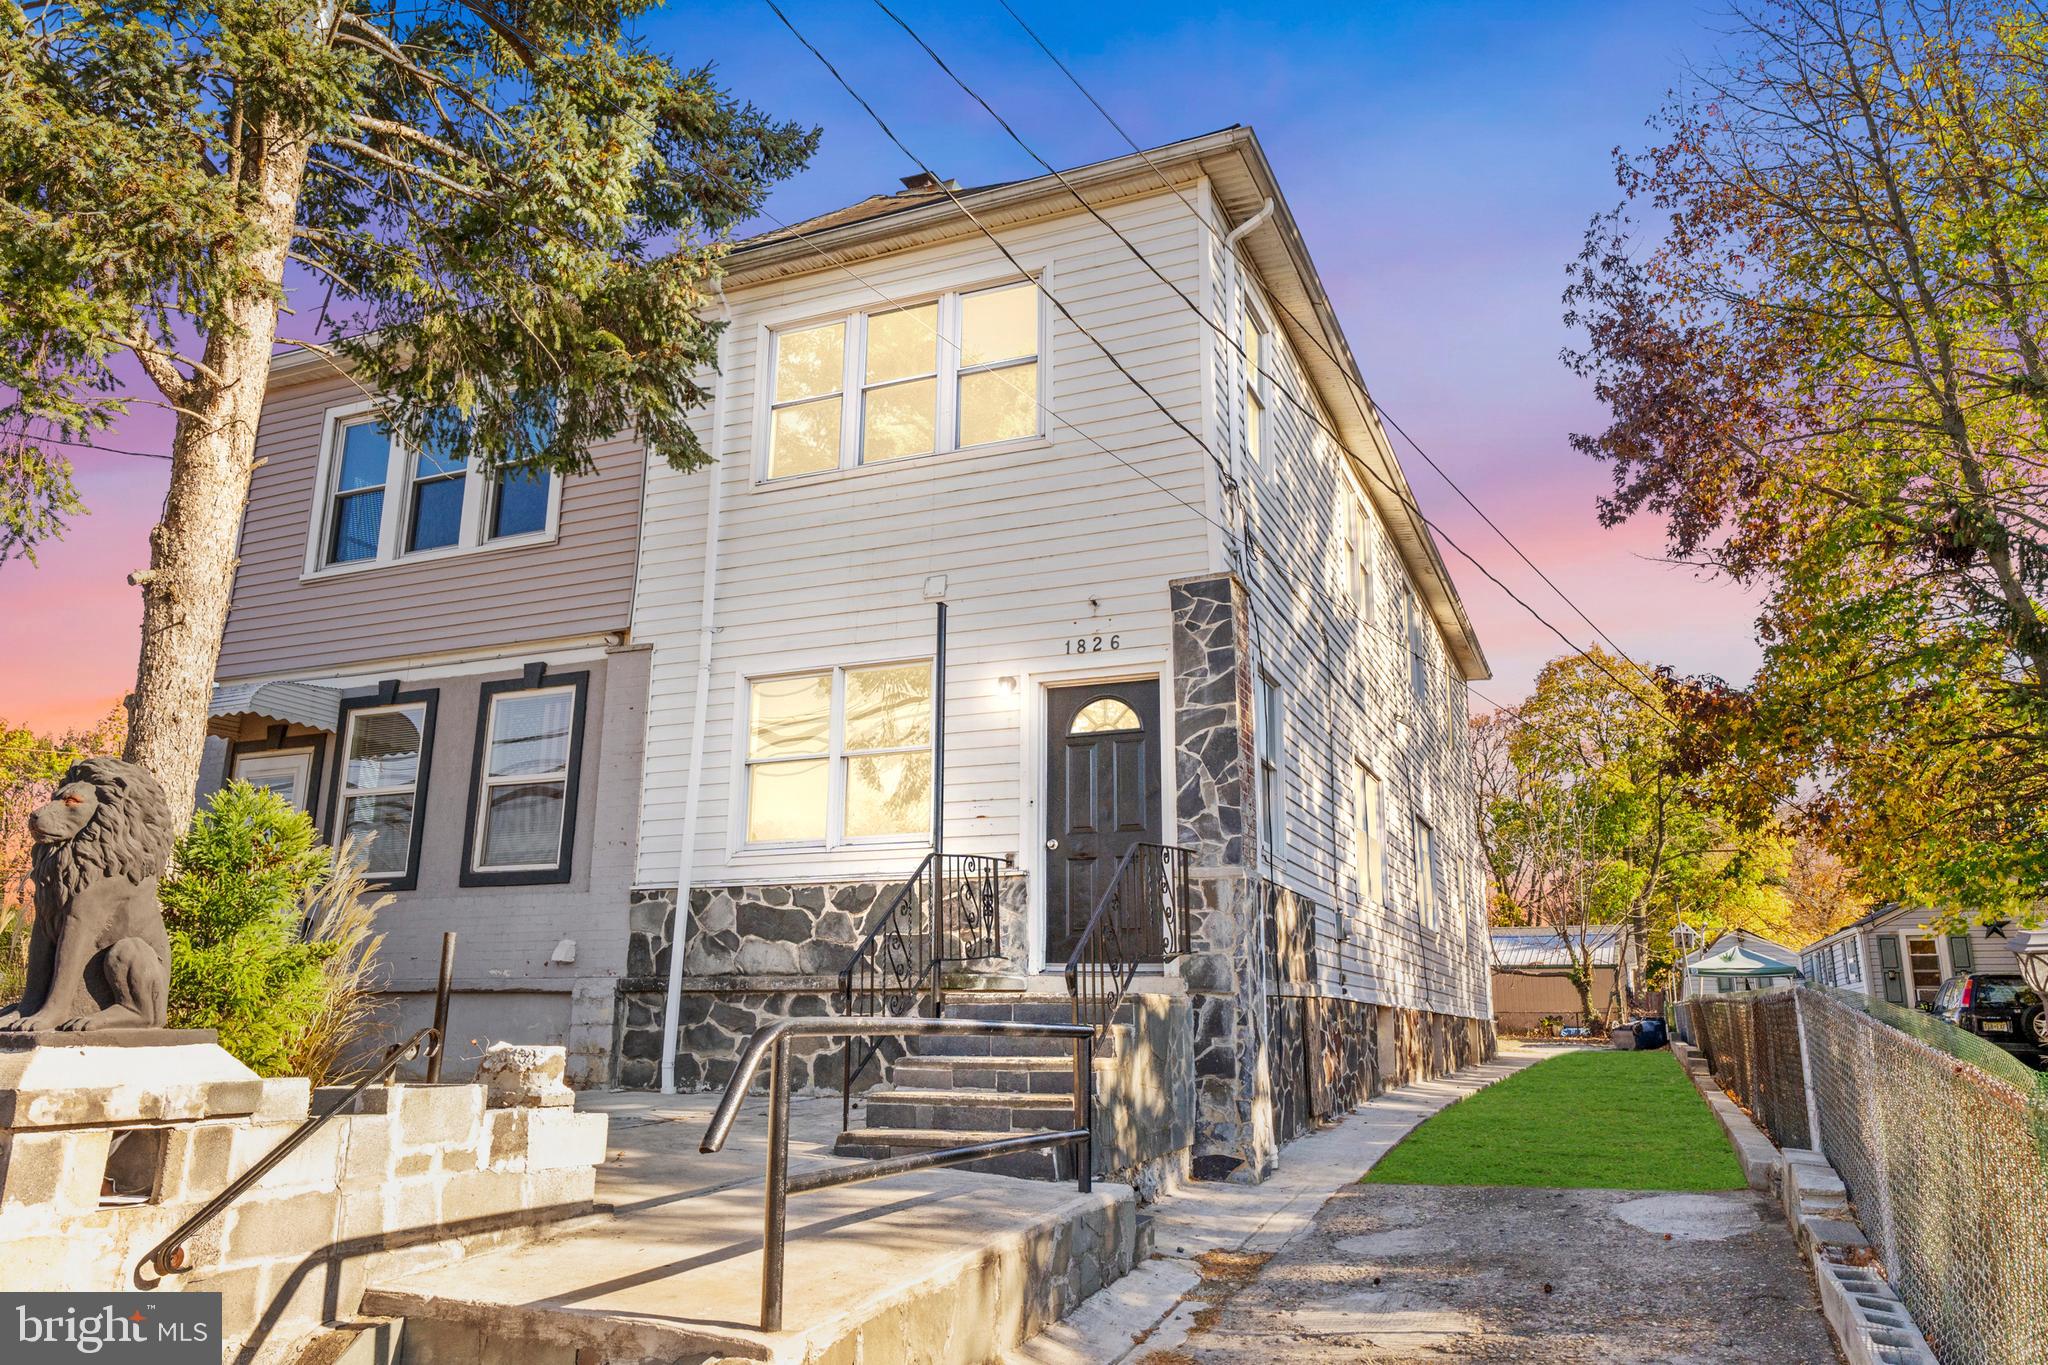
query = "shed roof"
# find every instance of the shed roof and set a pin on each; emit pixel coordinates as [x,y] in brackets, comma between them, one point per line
[1545,947]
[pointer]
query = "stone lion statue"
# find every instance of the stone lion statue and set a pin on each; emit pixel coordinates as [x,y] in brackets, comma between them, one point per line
[98,956]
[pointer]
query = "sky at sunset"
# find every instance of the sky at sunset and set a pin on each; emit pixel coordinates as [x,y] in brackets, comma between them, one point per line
[1442,160]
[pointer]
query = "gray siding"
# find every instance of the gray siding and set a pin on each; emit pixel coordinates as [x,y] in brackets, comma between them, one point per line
[282,624]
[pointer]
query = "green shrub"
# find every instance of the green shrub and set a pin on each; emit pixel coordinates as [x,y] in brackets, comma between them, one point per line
[235,904]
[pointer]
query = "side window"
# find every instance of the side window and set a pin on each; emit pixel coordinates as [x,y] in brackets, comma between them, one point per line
[1255,367]
[1270,721]
[523,789]
[1370,818]
[1418,644]
[1427,904]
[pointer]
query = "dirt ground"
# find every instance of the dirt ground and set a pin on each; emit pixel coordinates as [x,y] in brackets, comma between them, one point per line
[1427,1272]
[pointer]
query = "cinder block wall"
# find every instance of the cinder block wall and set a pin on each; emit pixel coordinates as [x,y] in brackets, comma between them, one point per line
[421,1175]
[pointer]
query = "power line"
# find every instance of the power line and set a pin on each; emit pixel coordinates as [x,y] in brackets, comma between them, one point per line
[1310,333]
[954,198]
[83,445]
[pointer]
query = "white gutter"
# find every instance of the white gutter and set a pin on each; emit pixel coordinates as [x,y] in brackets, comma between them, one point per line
[707,631]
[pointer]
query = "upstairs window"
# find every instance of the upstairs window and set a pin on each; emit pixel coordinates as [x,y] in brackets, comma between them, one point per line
[957,372]
[1358,555]
[1418,645]
[381,503]
[1254,390]
[840,755]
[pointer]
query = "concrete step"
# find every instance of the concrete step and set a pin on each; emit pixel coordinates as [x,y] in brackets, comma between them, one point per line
[1034,1075]
[939,1045]
[872,1273]
[899,1106]
[1051,1163]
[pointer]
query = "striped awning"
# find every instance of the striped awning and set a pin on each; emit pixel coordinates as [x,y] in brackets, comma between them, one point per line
[295,703]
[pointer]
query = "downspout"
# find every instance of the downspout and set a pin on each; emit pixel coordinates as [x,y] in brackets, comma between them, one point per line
[707,630]
[1230,241]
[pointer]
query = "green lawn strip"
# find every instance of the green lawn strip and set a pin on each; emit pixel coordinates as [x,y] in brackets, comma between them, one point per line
[1579,1120]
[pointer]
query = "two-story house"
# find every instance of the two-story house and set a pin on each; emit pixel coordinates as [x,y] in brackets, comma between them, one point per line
[1074,524]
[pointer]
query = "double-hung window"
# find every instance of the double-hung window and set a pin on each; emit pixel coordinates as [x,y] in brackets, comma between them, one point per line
[1254,389]
[1428,908]
[522,819]
[1369,814]
[1268,737]
[959,371]
[381,502]
[1418,645]
[1358,555]
[840,755]
[385,754]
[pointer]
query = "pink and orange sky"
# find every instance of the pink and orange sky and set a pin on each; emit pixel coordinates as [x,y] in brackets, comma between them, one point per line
[1443,160]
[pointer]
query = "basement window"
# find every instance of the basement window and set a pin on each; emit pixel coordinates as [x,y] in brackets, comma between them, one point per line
[135,1160]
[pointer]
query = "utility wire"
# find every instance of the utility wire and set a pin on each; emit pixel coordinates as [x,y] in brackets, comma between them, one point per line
[1310,332]
[83,445]
[953,196]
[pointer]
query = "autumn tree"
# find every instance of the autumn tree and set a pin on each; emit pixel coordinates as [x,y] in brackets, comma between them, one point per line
[1817,324]
[503,219]
[1600,806]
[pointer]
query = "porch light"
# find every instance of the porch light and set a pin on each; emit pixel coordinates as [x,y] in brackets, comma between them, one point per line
[1006,688]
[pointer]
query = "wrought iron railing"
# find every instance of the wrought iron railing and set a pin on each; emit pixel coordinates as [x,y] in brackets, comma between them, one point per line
[781,1184]
[1142,917]
[948,910]
[168,1256]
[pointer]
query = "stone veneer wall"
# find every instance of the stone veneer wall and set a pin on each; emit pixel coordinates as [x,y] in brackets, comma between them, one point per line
[756,954]
[1272,1054]
[1215,814]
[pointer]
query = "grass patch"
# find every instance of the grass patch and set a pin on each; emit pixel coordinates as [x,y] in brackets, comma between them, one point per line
[1579,1120]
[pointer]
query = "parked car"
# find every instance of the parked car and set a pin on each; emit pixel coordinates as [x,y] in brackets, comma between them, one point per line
[1999,1009]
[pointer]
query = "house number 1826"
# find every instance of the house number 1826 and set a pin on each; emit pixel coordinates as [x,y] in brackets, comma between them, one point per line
[1094,644]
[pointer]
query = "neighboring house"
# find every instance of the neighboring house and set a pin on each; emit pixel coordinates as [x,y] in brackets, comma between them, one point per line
[1894,954]
[1250,651]
[1741,947]
[1532,973]
[443,665]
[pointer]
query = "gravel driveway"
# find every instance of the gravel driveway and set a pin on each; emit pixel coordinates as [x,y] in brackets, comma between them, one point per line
[1407,1272]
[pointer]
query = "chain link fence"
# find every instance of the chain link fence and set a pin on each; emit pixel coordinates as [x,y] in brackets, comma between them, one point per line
[1941,1138]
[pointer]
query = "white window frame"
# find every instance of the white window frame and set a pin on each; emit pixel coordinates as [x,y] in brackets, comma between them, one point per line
[297,762]
[415,789]
[484,781]
[1428,908]
[1258,428]
[835,754]
[1369,827]
[1418,644]
[1271,723]
[1360,545]
[853,388]
[401,467]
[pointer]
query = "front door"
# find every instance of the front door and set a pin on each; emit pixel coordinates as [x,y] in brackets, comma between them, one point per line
[1926,966]
[1101,797]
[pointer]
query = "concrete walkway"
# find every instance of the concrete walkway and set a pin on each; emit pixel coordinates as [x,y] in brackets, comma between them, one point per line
[1313,1266]
[1220,1228]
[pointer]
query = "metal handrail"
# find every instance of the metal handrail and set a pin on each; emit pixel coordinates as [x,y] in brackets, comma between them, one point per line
[898,961]
[773,1042]
[168,1256]
[1099,970]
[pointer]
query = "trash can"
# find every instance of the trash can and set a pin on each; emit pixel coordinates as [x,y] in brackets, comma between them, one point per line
[1651,1033]
[1622,1038]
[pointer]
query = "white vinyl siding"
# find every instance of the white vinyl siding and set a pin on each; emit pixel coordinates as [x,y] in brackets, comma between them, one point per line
[1038,542]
